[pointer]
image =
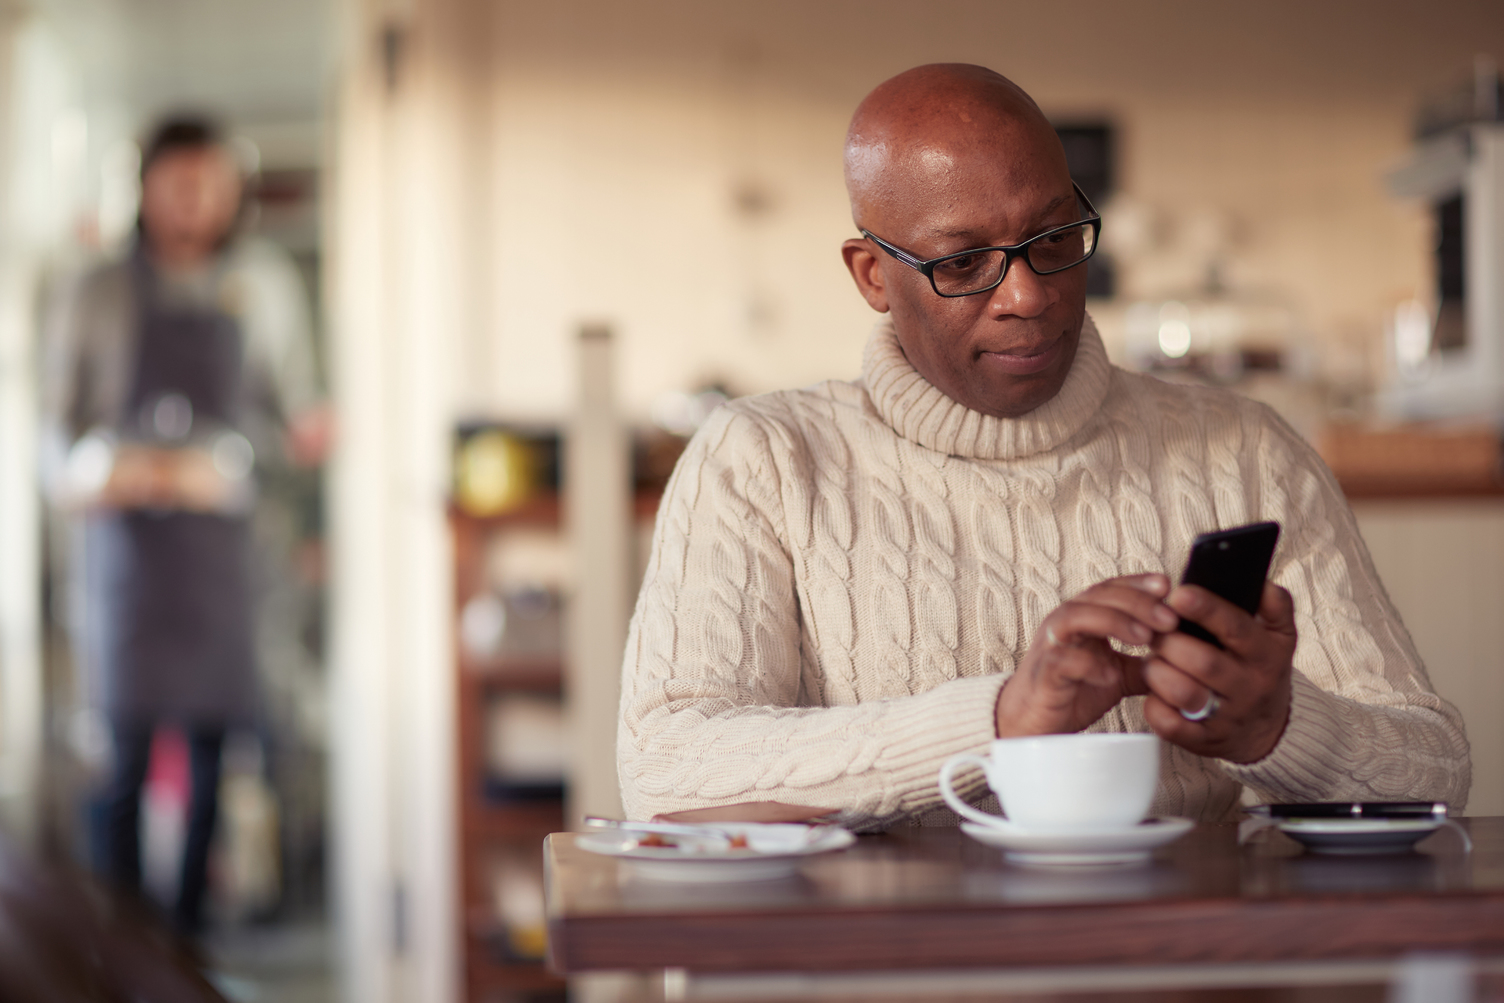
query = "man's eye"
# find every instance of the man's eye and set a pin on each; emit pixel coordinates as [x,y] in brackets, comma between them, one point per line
[964,263]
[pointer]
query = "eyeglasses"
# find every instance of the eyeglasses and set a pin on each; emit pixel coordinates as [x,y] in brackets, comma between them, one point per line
[981,269]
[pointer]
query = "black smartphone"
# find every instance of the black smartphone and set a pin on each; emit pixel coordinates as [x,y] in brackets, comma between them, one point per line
[1354,809]
[1233,564]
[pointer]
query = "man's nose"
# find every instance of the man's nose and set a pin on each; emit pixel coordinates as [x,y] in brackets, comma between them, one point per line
[1022,293]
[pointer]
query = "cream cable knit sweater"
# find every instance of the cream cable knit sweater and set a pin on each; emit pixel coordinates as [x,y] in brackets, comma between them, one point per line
[843,576]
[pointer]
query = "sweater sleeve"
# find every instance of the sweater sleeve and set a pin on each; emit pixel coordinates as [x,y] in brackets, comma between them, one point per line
[716,703]
[1365,723]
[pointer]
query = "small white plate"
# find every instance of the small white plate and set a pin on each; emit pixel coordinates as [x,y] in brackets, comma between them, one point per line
[1358,836]
[1079,849]
[778,851]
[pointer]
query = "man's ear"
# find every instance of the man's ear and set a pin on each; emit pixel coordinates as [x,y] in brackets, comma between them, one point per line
[867,270]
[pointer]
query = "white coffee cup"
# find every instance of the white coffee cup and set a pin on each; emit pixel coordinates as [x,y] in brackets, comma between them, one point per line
[1096,782]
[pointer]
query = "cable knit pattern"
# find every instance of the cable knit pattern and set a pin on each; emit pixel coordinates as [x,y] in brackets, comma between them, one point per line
[842,577]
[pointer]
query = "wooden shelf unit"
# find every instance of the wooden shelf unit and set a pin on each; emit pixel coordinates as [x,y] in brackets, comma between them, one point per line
[488,827]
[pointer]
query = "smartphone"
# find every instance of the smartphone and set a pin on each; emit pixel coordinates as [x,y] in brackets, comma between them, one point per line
[1354,809]
[1233,564]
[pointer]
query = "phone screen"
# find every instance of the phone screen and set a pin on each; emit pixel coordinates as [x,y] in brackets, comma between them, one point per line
[1231,563]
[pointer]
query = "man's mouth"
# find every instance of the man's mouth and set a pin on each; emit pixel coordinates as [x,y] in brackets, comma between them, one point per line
[1024,361]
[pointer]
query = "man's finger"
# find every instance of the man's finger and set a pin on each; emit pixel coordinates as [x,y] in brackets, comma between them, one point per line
[1154,583]
[1277,609]
[1229,624]
[1213,668]
[1143,604]
[1176,688]
[1075,621]
[1080,666]
[1167,722]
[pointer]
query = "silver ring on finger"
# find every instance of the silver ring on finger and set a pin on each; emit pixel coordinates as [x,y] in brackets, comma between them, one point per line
[1050,638]
[1206,712]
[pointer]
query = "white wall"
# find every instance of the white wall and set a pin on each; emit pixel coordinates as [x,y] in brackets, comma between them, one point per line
[1440,563]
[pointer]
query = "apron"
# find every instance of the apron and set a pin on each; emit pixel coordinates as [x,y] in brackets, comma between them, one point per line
[170,592]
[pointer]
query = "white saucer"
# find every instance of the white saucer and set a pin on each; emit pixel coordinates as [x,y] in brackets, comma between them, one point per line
[1358,836]
[695,862]
[1078,849]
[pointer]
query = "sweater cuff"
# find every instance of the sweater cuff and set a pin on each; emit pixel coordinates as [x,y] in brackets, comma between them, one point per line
[958,716]
[1306,763]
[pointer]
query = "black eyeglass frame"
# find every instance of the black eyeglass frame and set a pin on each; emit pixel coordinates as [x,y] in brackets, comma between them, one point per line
[927,268]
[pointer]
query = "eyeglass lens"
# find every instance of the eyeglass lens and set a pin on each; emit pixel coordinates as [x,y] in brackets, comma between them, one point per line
[980,270]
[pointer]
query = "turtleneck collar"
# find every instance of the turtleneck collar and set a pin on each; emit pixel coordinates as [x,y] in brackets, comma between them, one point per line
[920,411]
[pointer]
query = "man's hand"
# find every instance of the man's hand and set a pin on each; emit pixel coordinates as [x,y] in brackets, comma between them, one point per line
[1250,678]
[1071,675]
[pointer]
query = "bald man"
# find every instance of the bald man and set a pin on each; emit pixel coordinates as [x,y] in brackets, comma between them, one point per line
[853,582]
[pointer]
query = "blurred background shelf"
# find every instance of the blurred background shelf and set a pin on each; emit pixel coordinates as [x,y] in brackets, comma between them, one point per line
[502,793]
[543,509]
[546,510]
[512,979]
[503,819]
[516,821]
[511,583]
[542,675]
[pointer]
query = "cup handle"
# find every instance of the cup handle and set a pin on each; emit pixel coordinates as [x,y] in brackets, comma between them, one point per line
[948,792]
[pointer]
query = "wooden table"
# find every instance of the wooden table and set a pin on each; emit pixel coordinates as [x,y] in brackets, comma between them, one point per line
[931,900]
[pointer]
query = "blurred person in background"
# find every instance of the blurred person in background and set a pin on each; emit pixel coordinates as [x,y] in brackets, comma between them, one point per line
[171,375]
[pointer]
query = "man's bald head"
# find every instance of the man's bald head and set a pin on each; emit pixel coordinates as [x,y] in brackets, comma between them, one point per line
[922,126]
[942,160]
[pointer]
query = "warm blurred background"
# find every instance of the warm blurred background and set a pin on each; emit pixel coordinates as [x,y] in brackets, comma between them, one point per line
[541,241]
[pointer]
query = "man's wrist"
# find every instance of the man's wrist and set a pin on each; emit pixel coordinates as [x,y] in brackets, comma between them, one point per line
[1263,749]
[1011,721]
